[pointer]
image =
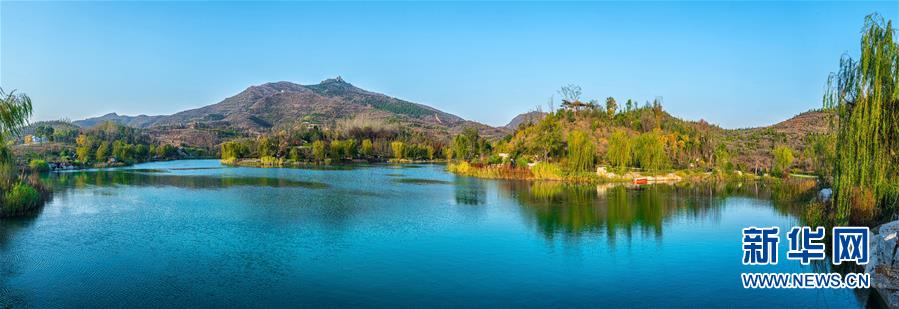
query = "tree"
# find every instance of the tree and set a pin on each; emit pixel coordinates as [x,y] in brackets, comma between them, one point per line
[649,151]
[581,151]
[266,147]
[15,109]
[722,158]
[865,96]
[294,154]
[44,131]
[821,150]
[570,93]
[619,153]
[349,148]
[398,148]
[166,151]
[336,149]
[783,159]
[121,151]
[367,149]
[102,152]
[611,106]
[318,150]
[234,150]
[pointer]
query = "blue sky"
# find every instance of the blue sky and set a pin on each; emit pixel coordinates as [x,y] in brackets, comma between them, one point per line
[737,64]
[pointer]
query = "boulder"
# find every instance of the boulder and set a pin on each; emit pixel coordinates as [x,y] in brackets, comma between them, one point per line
[884,262]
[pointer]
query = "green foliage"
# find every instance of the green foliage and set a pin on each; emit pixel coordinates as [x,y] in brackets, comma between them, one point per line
[15,109]
[547,171]
[581,152]
[466,145]
[266,147]
[865,95]
[620,149]
[318,150]
[294,154]
[102,152]
[234,150]
[398,149]
[166,151]
[611,106]
[722,158]
[367,149]
[20,198]
[84,148]
[649,152]
[38,165]
[821,150]
[547,141]
[783,160]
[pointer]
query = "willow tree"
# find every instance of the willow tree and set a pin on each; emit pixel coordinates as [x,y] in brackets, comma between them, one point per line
[15,109]
[865,97]
[581,151]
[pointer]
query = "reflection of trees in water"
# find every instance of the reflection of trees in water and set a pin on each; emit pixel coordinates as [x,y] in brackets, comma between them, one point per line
[470,191]
[574,210]
[160,179]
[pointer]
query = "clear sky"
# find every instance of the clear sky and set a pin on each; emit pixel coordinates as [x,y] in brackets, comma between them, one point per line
[737,64]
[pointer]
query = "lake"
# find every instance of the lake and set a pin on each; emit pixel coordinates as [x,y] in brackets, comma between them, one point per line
[197,234]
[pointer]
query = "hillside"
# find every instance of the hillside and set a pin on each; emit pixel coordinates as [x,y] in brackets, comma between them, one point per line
[526,118]
[282,105]
[679,143]
[754,145]
[139,121]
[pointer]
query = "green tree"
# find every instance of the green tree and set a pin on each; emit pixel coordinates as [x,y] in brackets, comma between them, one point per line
[336,149]
[619,153]
[649,151]
[234,150]
[865,96]
[611,106]
[294,154]
[318,150]
[581,151]
[367,149]
[15,109]
[84,148]
[266,147]
[102,152]
[783,160]
[722,158]
[398,149]
[349,148]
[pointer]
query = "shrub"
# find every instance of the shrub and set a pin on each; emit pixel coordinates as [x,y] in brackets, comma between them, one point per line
[783,159]
[38,165]
[20,198]
[548,171]
[270,161]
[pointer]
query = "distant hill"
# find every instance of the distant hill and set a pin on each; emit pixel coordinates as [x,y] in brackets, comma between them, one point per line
[140,121]
[528,118]
[271,106]
[753,146]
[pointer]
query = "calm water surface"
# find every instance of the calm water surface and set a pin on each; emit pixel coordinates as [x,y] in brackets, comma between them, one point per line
[194,233]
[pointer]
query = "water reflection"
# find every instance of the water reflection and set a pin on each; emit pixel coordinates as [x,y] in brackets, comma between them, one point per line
[571,210]
[470,191]
[159,178]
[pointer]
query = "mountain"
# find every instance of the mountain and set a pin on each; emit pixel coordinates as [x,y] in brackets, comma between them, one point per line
[281,105]
[528,118]
[752,147]
[139,121]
